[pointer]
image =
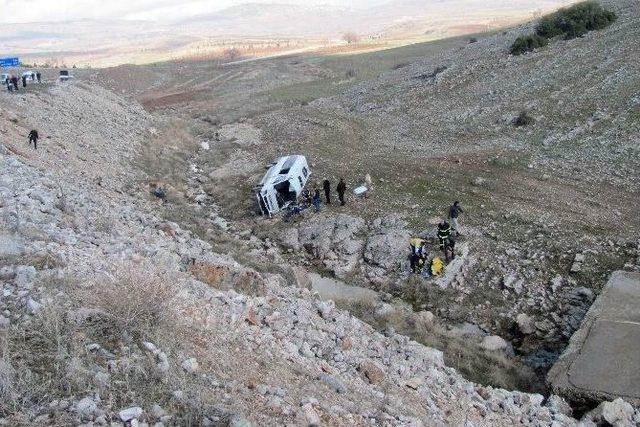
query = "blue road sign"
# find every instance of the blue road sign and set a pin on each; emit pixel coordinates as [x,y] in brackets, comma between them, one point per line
[9,62]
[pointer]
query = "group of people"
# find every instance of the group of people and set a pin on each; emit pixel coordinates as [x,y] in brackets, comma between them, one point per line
[12,81]
[315,198]
[448,231]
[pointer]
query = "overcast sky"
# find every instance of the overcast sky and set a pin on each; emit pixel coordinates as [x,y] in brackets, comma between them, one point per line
[20,11]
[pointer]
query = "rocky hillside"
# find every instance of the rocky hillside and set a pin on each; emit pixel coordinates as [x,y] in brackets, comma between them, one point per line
[110,314]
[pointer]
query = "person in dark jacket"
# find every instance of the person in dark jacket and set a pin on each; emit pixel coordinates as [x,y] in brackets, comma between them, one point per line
[38,76]
[326,185]
[341,189]
[14,82]
[316,199]
[24,81]
[33,138]
[454,212]
[450,248]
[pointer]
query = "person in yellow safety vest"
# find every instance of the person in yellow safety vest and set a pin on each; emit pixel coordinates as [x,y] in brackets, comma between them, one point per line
[418,254]
[437,266]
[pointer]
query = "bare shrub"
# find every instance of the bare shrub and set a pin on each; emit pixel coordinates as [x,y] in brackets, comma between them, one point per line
[523,119]
[350,37]
[231,54]
[38,354]
[134,297]
[350,73]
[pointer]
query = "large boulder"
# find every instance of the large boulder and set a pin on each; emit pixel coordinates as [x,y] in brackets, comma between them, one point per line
[617,412]
[332,240]
[494,343]
[525,324]
[388,243]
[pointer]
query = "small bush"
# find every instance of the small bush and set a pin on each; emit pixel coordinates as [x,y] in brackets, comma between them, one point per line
[575,21]
[527,44]
[350,37]
[523,119]
[350,73]
[571,22]
[473,40]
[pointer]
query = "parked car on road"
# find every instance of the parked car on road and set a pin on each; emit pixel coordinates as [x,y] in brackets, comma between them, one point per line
[65,75]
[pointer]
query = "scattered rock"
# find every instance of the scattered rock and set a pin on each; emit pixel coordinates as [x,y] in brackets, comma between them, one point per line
[372,371]
[311,415]
[415,383]
[130,413]
[525,324]
[33,307]
[333,383]
[190,365]
[86,408]
[493,343]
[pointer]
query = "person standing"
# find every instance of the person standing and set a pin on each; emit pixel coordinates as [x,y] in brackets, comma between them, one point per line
[38,76]
[14,82]
[444,231]
[454,212]
[33,138]
[341,189]
[316,199]
[326,185]
[24,81]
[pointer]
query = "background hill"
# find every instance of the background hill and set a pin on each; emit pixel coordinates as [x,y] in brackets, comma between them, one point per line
[264,27]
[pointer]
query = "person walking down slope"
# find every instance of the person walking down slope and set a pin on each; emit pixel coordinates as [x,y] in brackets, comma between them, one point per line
[326,186]
[33,138]
[454,212]
[342,188]
[316,199]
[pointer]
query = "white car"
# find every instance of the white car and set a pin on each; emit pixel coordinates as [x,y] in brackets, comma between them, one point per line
[4,77]
[65,75]
[282,184]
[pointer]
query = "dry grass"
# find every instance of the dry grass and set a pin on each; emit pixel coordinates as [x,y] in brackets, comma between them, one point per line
[474,363]
[133,297]
[37,360]
[212,275]
[45,357]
